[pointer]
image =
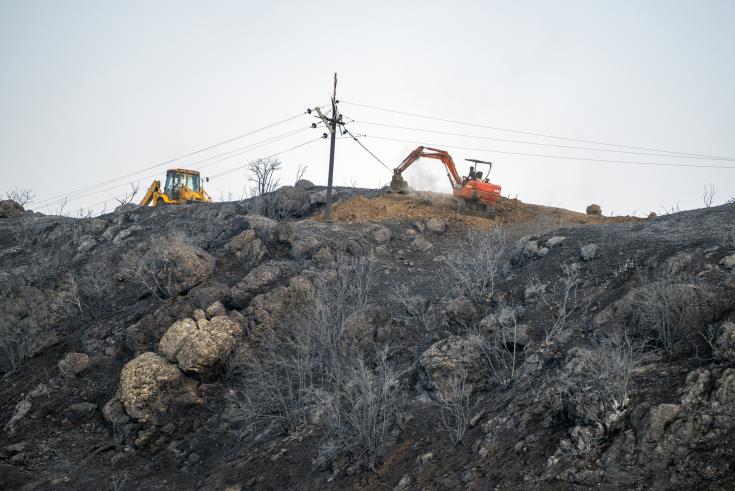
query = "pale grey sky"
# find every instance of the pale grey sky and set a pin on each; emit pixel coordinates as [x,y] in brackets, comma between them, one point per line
[94,90]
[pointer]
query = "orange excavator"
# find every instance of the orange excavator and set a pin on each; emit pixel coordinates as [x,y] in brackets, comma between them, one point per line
[473,191]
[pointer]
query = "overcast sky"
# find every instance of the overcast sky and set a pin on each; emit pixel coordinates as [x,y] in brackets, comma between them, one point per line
[94,90]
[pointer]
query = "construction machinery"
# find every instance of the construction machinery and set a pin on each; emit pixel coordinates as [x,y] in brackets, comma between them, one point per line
[472,191]
[182,186]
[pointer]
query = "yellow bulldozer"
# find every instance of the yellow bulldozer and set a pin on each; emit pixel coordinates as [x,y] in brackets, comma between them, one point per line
[182,186]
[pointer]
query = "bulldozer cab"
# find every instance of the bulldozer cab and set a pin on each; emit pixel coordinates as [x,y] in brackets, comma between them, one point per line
[177,179]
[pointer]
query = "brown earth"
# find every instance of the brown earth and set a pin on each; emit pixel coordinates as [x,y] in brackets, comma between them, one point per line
[362,209]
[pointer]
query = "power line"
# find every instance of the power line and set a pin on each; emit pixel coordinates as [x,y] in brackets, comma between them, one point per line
[449,133]
[454,121]
[230,170]
[89,187]
[241,150]
[268,157]
[382,163]
[564,157]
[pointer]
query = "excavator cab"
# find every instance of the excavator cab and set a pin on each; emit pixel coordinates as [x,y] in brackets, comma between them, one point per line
[182,186]
[177,179]
[478,173]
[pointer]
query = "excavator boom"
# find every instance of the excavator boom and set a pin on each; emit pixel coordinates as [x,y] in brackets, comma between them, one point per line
[471,189]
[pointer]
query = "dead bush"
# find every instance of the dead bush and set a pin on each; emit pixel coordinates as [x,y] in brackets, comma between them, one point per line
[455,407]
[417,311]
[500,354]
[290,371]
[595,387]
[561,301]
[16,343]
[665,308]
[153,265]
[95,287]
[21,196]
[362,410]
[473,269]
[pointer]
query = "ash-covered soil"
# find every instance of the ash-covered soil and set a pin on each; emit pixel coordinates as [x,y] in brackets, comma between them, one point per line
[401,346]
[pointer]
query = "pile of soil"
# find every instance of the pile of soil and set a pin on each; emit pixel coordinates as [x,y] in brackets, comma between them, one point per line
[362,209]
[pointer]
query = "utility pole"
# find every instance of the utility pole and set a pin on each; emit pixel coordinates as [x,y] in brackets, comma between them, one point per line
[333,129]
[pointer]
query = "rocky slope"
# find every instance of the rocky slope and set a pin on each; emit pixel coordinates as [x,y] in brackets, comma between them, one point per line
[402,346]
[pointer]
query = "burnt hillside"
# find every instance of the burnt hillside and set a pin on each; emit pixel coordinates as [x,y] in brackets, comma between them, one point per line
[249,345]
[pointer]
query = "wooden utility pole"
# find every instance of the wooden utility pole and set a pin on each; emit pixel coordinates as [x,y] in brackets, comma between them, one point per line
[333,129]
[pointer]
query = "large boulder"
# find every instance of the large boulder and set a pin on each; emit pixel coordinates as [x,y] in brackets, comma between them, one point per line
[304,184]
[445,363]
[725,342]
[72,364]
[199,347]
[257,281]
[149,384]
[184,267]
[292,200]
[594,209]
[10,209]
[436,225]
[247,247]
[174,338]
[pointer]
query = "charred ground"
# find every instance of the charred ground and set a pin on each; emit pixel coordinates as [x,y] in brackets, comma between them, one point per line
[539,349]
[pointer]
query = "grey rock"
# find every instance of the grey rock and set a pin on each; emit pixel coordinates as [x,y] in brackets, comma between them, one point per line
[10,209]
[445,362]
[125,233]
[21,409]
[305,247]
[355,248]
[206,347]
[725,342]
[149,384]
[257,281]
[114,412]
[462,309]
[216,309]
[73,364]
[94,226]
[555,241]
[728,262]
[16,447]
[304,184]
[41,390]
[594,209]
[79,411]
[126,208]
[588,252]
[247,247]
[421,244]
[185,266]
[436,225]
[381,235]
[86,244]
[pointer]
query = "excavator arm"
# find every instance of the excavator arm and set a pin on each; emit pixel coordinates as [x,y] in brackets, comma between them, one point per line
[152,191]
[433,153]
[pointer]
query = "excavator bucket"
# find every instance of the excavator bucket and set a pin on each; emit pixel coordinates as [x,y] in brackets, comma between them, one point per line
[398,184]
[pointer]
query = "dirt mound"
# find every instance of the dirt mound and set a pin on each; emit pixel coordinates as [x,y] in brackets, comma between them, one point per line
[360,209]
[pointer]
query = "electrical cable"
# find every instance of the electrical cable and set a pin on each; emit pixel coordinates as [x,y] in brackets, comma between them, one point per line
[497,128]
[233,169]
[383,163]
[268,157]
[89,187]
[241,150]
[534,143]
[564,157]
